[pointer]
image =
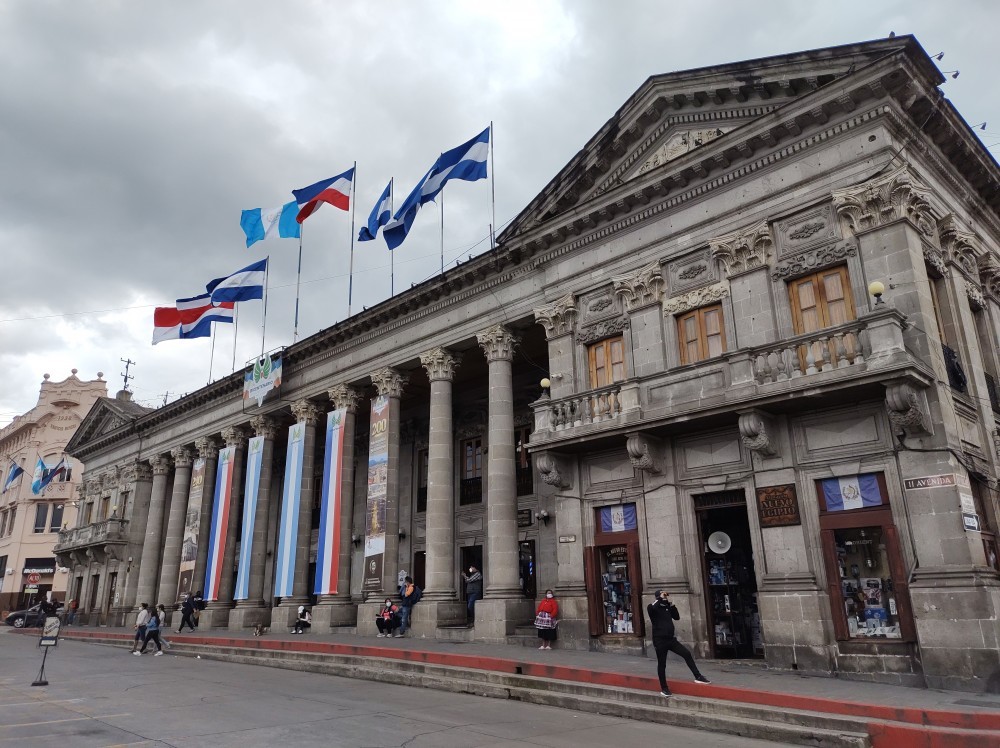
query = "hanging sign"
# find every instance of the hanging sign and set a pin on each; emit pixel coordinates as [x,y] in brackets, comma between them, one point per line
[284,575]
[220,522]
[328,548]
[192,529]
[255,457]
[778,506]
[378,478]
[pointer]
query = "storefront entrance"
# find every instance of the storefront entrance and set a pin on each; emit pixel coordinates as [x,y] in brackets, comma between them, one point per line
[613,574]
[730,579]
[526,568]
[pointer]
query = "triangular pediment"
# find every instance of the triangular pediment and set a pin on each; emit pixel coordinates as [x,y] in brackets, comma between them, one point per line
[106,416]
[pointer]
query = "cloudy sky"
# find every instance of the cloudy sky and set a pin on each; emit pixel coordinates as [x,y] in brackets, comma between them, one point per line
[132,134]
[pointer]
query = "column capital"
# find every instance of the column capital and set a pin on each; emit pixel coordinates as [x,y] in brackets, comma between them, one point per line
[989,275]
[160,464]
[233,436]
[306,411]
[207,447]
[641,288]
[897,195]
[344,397]
[743,250]
[557,318]
[142,471]
[182,457]
[498,343]
[264,426]
[389,381]
[440,363]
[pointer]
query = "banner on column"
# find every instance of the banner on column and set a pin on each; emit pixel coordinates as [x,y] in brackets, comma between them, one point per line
[378,478]
[255,454]
[220,522]
[192,528]
[289,530]
[328,550]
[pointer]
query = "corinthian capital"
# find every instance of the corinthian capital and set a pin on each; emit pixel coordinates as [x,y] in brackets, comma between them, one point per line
[160,465]
[641,288]
[989,274]
[440,363]
[233,436]
[557,318]
[389,381]
[344,397]
[264,426]
[182,457]
[498,343]
[743,250]
[207,447]
[960,247]
[893,197]
[306,411]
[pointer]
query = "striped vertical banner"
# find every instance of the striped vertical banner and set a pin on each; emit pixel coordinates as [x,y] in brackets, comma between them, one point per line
[289,530]
[220,522]
[328,551]
[255,454]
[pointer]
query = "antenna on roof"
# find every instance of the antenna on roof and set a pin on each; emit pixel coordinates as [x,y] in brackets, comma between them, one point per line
[125,375]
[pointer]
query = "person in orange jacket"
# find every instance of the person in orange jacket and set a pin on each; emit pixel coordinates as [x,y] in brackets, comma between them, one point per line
[545,619]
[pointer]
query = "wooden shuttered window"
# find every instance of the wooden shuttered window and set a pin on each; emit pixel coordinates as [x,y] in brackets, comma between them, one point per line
[701,334]
[607,362]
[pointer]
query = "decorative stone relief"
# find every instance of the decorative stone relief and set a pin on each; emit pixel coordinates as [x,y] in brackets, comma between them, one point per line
[757,430]
[695,299]
[976,299]
[996,442]
[160,465]
[601,303]
[806,230]
[602,330]
[641,288]
[989,274]
[814,260]
[233,436]
[885,199]
[743,250]
[143,472]
[959,247]
[498,343]
[935,259]
[694,270]
[907,408]
[344,397]
[557,318]
[679,144]
[182,457]
[440,363]
[305,411]
[264,426]
[551,471]
[207,447]
[389,381]
[642,450]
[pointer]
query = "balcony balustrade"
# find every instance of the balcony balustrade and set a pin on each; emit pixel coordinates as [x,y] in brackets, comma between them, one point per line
[105,532]
[586,408]
[803,355]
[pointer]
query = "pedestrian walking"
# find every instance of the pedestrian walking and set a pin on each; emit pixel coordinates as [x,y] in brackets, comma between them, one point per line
[152,633]
[141,619]
[662,614]
[546,619]
[387,619]
[199,605]
[187,614]
[473,591]
[303,621]
[163,622]
[411,595]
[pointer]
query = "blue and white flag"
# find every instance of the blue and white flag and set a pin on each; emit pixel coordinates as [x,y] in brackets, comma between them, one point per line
[466,162]
[288,532]
[255,459]
[243,285]
[12,475]
[379,217]
[267,223]
[37,476]
[854,492]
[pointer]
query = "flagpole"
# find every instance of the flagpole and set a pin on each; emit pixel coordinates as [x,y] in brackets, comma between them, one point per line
[493,194]
[236,330]
[298,283]
[263,320]
[442,231]
[350,271]
[392,255]
[211,356]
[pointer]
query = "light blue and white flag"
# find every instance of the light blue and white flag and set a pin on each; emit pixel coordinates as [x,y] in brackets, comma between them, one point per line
[12,475]
[284,575]
[379,217]
[267,223]
[243,285]
[255,458]
[853,492]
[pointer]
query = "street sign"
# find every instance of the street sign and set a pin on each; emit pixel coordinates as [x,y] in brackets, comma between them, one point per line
[50,632]
[34,578]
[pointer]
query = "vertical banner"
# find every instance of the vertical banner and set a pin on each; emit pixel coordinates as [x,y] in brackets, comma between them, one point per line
[255,454]
[378,477]
[192,529]
[289,530]
[220,522]
[328,551]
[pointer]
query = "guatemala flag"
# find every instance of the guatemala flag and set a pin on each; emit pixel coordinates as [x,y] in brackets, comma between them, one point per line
[854,492]
[379,217]
[466,162]
[267,223]
[12,475]
[335,190]
[243,285]
[50,475]
[36,478]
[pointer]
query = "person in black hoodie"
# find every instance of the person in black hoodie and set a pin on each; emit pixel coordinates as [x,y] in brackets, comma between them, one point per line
[662,614]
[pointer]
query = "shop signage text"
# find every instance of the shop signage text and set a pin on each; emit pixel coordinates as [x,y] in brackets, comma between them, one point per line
[778,506]
[935,481]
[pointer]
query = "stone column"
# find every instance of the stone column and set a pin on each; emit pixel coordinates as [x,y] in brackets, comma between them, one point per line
[505,606]
[139,479]
[208,450]
[149,566]
[171,564]
[216,613]
[248,613]
[307,414]
[338,610]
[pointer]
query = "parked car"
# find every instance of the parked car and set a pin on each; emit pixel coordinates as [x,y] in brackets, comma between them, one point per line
[33,617]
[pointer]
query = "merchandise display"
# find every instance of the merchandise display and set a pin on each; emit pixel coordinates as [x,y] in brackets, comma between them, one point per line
[617,590]
[869,601]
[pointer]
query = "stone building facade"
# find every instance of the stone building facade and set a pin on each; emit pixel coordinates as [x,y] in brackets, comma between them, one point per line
[727,412]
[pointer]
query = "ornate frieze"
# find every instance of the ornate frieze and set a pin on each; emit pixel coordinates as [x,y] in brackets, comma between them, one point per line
[389,381]
[815,259]
[498,343]
[679,144]
[641,288]
[907,408]
[959,247]
[440,363]
[695,299]
[233,436]
[601,330]
[208,448]
[893,197]
[182,457]
[757,431]
[551,470]
[806,230]
[344,397]
[743,250]
[691,271]
[265,426]
[557,318]
[989,274]
[305,411]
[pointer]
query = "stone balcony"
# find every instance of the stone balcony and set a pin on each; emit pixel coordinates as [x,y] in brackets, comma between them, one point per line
[859,353]
[96,538]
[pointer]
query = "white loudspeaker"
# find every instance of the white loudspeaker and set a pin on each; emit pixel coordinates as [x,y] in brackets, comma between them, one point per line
[719,542]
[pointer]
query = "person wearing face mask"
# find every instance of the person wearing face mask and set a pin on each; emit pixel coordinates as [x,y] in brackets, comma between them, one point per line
[545,619]
[473,591]
[662,614]
[387,619]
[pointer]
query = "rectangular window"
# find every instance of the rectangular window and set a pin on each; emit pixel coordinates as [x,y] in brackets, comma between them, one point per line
[105,508]
[471,487]
[88,513]
[821,300]
[701,333]
[55,523]
[41,514]
[10,520]
[3,523]
[525,480]
[870,603]
[423,462]
[607,362]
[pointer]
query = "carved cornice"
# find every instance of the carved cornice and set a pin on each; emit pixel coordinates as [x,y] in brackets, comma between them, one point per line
[601,330]
[440,363]
[642,451]
[935,258]
[234,436]
[498,343]
[305,411]
[816,259]
[389,381]
[160,465]
[182,457]
[265,426]
[989,274]
[207,447]
[641,288]
[694,299]
[743,250]
[757,431]
[344,397]
[895,196]
[960,248]
[907,408]
[557,318]
[551,470]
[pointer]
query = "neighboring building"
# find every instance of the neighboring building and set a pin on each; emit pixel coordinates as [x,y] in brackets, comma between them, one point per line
[808,469]
[29,523]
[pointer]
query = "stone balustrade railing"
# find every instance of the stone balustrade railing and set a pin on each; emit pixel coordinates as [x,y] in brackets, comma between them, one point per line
[594,406]
[823,350]
[96,533]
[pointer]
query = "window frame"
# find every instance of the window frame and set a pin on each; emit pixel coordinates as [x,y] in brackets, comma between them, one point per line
[55,522]
[822,303]
[702,334]
[41,513]
[606,346]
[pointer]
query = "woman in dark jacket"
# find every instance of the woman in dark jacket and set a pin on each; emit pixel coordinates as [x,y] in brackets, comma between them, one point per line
[387,619]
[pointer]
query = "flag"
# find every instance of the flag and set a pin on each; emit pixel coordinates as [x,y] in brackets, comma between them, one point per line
[49,475]
[191,318]
[267,223]
[466,162]
[12,475]
[380,216]
[335,190]
[243,285]
[36,478]
[854,492]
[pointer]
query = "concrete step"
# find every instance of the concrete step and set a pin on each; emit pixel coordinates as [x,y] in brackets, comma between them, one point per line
[455,633]
[520,640]
[348,629]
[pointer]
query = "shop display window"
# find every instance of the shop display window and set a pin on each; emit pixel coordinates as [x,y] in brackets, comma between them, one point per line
[866,582]
[617,590]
